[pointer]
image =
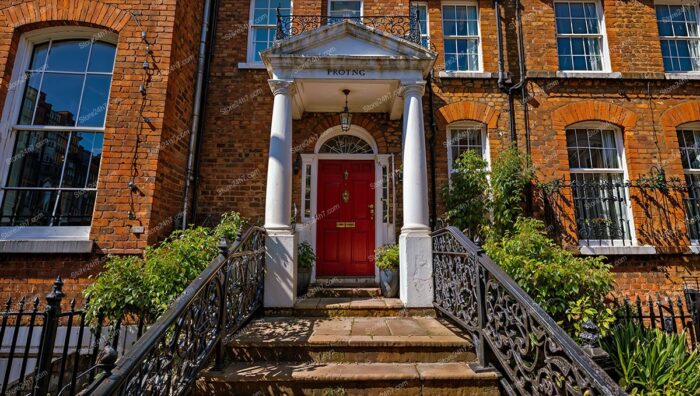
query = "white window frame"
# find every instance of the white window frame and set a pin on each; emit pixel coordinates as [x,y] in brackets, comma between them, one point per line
[692,126]
[480,54]
[362,8]
[10,114]
[426,34]
[696,6]
[485,147]
[623,170]
[604,48]
[250,55]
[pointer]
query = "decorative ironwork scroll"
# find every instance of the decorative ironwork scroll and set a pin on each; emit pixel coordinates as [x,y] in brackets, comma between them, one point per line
[511,331]
[170,355]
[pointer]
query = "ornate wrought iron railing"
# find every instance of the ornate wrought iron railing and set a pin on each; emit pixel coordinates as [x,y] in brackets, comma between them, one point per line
[403,26]
[511,332]
[171,354]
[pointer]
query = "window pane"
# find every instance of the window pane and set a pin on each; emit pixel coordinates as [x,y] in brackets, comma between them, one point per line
[95,97]
[68,55]
[84,151]
[102,57]
[59,99]
[345,8]
[39,56]
[75,208]
[29,99]
[38,159]
[600,203]
[27,208]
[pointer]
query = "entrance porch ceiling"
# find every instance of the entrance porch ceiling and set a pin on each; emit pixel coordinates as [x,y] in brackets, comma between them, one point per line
[366,96]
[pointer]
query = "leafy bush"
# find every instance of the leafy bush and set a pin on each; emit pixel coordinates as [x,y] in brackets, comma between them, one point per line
[651,362]
[510,177]
[467,195]
[146,286]
[307,257]
[570,289]
[387,257]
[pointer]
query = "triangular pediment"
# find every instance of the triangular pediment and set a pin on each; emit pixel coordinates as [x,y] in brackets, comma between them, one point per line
[347,39]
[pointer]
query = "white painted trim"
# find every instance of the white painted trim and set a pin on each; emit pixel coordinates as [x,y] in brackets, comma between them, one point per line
[622,160]
[605,49]
[11,110]
[418,4]
[616,250]
[355,130]
[250,62]
[479,37]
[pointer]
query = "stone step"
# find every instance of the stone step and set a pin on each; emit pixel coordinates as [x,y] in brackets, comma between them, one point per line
[383,339]
[349,307]
[343,292]
[348,379]
[345,282]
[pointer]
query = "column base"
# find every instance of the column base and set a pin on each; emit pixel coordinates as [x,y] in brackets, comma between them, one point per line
[280,270]
[416,269]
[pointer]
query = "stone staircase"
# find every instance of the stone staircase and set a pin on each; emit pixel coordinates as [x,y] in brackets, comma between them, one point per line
[349,341]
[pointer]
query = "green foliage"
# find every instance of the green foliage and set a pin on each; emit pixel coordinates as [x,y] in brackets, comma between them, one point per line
[510,177]
[387,257]
[651,362]
[307,257]
[146,286]
[569,288]
[467,195]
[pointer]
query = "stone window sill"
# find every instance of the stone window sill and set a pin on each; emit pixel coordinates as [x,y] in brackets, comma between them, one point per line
[251,66]
[573,74]
[683,76]
[616,250]
[464,74]
[47,246]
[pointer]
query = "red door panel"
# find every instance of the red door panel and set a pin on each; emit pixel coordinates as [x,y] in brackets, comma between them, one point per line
[345,229]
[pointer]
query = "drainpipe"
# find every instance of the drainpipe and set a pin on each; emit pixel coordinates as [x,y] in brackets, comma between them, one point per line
[197,108]
[502,85]
[524,96]
[433,136]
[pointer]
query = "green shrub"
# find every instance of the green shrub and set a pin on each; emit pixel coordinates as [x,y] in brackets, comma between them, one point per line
[651,362]
[146,286]
[307,257]
[510,177]
[467,195]
[570,289]
[387,257]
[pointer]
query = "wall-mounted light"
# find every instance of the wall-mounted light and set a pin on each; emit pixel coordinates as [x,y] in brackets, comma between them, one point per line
[345,116]
[296,166]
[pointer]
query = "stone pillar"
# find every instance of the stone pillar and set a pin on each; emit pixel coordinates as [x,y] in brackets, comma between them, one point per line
[281,243]
[416,267]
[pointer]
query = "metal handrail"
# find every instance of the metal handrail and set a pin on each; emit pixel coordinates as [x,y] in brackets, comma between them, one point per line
[512,332]
[205,314]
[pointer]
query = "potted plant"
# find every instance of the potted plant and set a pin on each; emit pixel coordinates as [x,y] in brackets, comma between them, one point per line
[387,260]
[307,258]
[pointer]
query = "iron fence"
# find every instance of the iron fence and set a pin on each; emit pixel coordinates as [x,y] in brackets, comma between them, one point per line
[511,332]
[47,350]
[403,26]
[174,350]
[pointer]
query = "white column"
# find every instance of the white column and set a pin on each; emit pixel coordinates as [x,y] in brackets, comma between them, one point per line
[281,260]
[416,267]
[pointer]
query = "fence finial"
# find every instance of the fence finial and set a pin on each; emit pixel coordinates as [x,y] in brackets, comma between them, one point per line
[56,292]
[223,246]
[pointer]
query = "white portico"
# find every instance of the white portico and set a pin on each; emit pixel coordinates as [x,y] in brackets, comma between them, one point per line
[385,74]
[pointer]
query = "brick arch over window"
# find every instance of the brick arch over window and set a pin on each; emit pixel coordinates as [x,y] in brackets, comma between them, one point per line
[680,114]
[468,111]
[589,110]
[86,12]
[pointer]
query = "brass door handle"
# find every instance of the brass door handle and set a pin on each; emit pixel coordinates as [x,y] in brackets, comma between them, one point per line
[371,211]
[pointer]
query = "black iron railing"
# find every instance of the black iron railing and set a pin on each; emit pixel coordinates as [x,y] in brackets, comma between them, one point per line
[666,210]
[47,350]
[403,26]
[667,314]
[511,332]
[174,350]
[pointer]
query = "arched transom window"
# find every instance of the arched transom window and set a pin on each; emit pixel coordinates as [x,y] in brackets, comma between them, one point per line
[346,144]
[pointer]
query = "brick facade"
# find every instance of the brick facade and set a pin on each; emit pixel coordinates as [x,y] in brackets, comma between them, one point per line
[640,101]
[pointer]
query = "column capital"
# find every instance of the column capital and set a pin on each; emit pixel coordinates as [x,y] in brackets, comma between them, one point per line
[415,87]
[282,87]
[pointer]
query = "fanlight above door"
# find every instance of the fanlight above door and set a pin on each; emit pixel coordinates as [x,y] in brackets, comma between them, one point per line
[346,144]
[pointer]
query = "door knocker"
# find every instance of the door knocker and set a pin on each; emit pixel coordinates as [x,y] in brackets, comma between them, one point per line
[346,196]
[346,174]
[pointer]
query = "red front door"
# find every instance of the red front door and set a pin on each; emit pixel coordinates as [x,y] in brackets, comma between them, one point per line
[345,228]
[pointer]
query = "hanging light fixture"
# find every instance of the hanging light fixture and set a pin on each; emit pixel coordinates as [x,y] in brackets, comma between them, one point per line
[345,116]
